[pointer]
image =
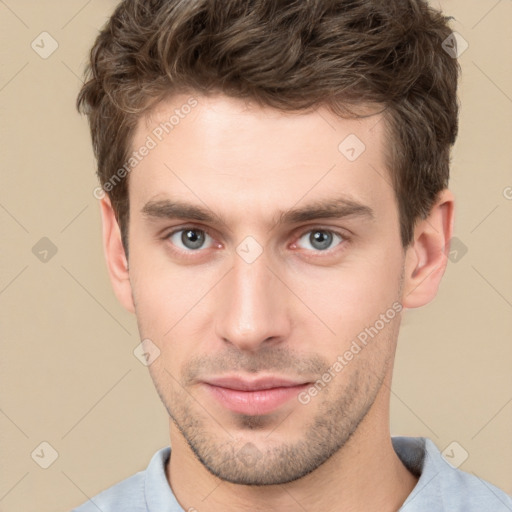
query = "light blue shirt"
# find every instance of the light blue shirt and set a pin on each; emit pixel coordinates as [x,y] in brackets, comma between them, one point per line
[440,486]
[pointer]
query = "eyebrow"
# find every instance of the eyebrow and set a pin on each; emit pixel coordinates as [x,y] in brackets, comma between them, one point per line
[338,208]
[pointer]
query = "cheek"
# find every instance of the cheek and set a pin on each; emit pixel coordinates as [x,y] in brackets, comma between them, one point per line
[159,285]
[352,295]
[171,304]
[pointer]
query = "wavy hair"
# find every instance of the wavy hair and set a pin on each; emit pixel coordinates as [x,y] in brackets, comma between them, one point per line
[291,55]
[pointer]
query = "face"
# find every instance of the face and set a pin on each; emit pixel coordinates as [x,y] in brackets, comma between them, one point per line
[264,248]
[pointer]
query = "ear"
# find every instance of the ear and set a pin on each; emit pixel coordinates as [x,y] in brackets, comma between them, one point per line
[426,256]
[117,263]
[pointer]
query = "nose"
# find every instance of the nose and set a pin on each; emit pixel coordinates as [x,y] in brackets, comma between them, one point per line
[253,306]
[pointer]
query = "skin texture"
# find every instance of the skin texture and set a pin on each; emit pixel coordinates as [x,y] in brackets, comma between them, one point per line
[289,313]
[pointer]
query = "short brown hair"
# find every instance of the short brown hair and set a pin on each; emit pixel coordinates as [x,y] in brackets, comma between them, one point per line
[292,55]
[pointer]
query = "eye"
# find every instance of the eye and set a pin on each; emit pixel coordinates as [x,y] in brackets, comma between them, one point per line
[320,239]
[191,239]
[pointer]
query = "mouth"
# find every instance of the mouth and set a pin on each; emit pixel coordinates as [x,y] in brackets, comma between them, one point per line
[253,396]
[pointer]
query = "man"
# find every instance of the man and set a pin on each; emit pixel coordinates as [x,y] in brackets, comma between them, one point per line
[274,196]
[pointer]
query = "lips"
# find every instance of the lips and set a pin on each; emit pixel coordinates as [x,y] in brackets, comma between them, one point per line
[257,384]
[253,396]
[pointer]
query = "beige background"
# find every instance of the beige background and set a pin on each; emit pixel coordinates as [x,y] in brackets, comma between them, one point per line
[68,373]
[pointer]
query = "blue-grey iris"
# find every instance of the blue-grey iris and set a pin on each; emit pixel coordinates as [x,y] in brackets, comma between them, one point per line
[322,239]
[192,238]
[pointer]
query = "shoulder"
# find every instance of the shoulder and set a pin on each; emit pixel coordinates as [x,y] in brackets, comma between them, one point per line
[129,495]
[442,486]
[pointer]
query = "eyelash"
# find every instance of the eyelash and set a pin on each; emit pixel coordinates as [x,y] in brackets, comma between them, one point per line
[190,253]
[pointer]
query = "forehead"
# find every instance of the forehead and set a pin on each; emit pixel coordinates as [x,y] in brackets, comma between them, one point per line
[228,151]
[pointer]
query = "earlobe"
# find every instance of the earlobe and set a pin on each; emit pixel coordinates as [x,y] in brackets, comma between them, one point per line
[426,257]
[115,256]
